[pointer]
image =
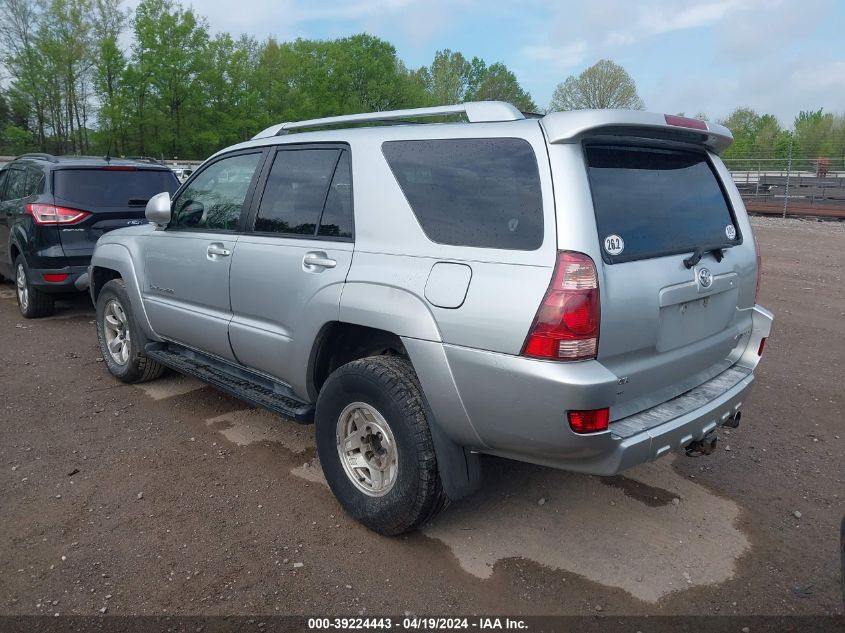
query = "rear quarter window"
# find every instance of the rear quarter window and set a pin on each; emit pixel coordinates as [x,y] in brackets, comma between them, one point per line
[471,192]
[651,202]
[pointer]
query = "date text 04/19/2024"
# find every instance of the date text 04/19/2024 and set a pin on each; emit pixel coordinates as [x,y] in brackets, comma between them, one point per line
[417,623]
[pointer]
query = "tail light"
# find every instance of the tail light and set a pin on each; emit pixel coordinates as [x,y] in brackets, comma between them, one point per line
[759,268]
[51,214]
[55,277]
[567,323]
[589,421]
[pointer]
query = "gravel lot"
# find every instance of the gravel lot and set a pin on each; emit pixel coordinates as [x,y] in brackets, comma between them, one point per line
[174,498]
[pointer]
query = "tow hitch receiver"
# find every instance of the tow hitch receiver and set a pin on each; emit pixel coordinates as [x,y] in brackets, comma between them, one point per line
[704,446]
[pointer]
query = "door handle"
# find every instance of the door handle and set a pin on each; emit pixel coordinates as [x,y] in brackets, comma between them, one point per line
[317,259]
[218,250]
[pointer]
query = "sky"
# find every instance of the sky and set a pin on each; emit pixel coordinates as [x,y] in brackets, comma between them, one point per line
[710,56]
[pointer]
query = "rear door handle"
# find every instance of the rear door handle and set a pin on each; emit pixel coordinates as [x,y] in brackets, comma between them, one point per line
[317,259]
[218,250]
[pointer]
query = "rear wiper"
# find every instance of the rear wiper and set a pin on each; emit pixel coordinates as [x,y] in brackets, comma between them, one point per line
[701,251]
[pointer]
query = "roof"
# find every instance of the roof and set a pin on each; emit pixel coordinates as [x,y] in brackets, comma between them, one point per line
[92,161]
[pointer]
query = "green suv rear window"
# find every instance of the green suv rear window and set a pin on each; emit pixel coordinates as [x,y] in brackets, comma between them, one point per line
[651,202]
[472,192]
[99,187]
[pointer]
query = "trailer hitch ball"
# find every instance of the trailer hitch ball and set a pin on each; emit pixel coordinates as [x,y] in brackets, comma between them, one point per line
[704,446]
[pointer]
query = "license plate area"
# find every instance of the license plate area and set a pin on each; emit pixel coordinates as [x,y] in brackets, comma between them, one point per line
[690,321]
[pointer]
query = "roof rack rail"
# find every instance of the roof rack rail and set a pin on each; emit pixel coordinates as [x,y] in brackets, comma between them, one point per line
[41,155]
[475,111]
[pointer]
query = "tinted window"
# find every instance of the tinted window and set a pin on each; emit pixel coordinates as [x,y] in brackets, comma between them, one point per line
[657,201]
[3,175]
[337,216]
[472,192]
[214,199]
[34,181]
[296,191]
[111,188]
[16,184]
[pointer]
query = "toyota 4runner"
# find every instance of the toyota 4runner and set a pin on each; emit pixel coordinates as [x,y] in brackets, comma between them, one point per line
[576,290]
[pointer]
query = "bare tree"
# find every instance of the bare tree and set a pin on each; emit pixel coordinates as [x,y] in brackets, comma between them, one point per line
[21,57]
[602,85]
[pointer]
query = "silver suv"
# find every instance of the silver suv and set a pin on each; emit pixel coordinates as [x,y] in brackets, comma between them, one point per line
[576,290]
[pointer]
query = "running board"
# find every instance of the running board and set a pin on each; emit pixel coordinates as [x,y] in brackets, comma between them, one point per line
[236,381]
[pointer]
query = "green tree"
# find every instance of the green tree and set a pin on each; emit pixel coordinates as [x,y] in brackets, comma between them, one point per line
[230,113]
[167,58]
[497,83]
[450,77]
[755,136]
[64,39]
[109,21]
[19,20]
[602,85]
[814,133]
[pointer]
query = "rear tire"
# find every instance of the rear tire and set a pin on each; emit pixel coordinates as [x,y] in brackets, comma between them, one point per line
[375,445]
[121,340]
[32,302]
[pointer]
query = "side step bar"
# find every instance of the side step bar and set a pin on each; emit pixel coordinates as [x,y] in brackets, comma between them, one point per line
[236,381]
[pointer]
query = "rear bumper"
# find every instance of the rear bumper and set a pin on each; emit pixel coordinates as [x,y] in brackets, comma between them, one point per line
[76,280]
[613,454]
[517,407]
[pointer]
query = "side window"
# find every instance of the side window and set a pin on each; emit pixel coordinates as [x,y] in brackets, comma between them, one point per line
[215,198]
[3,176]
[481,192]
[16,184]
[296,191]
[34,182]
[337,216]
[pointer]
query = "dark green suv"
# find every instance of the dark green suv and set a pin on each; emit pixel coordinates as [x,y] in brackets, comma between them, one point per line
[54,208]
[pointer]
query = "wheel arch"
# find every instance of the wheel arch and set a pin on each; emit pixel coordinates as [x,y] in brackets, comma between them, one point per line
[338,343]
[112,261]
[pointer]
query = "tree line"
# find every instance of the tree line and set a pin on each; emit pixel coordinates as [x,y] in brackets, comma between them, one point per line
[179,91]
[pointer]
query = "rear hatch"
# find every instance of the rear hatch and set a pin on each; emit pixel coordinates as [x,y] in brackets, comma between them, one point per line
[675,256]
[114,196]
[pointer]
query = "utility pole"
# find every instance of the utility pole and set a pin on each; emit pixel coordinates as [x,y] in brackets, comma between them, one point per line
[788,169]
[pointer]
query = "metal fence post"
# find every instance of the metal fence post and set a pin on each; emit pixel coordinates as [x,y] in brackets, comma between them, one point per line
[788,170]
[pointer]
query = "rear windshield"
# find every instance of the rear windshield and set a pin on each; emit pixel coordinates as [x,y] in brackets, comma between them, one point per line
[482,192]
[651,202]
[112,188]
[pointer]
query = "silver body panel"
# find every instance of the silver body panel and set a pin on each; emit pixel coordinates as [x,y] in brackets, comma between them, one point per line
[673,358]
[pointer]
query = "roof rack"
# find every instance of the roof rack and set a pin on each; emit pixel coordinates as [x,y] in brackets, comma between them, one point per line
[475,111]
[41,155]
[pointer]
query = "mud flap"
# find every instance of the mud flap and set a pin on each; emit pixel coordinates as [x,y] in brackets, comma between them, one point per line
[460,469]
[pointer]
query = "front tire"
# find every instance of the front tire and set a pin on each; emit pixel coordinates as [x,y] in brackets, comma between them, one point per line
[121,340]
[32,302]
[375,446]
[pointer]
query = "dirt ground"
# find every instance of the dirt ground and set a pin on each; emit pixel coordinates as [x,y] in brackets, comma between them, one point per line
[174,498]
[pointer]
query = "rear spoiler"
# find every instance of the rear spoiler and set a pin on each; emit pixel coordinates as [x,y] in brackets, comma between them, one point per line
[575,125]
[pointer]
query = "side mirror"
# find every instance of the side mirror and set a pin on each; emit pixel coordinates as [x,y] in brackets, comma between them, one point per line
[158,209]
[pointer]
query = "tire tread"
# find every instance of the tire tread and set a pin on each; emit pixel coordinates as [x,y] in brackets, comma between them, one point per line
[140,368]
[399,381]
